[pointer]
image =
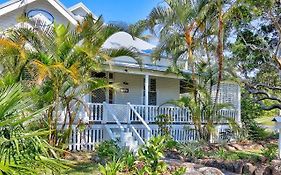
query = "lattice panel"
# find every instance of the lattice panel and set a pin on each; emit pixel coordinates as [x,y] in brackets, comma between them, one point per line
[98,96]
[229,93]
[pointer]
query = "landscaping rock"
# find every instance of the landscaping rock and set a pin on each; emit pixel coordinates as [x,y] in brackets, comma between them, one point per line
[193,172]
[210,171]
[267,171]
[237,167]
[248,168]
[236,146]
[261,170]
[275,169]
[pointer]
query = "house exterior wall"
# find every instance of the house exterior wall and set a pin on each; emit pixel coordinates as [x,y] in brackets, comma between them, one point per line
[135,86]
[10,19]
[167,89]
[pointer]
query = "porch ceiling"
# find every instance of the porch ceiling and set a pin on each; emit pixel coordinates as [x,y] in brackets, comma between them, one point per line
[145,69]
[135,69]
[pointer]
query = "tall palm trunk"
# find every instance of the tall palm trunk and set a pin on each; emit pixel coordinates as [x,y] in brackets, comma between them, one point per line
[219,51]
[188,40]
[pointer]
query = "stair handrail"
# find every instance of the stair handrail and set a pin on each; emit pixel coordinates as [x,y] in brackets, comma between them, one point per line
[114,117]
[141,119]
[110,133]
[137,135]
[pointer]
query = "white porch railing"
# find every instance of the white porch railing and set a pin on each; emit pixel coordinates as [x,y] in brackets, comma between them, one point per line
[129,113]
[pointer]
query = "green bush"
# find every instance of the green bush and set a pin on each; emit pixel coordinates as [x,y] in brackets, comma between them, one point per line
[107,150]
[170,143]
[128,158]
[256,132]
[270,152]
[150,155]
[111,168]
[193,150]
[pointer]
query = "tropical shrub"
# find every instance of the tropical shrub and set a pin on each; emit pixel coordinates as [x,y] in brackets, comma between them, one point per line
[107,150]
[164,123]
[57,67]
[192,150]
[150,155]
[22,150]
[112,167]
[128,159]
[270,152]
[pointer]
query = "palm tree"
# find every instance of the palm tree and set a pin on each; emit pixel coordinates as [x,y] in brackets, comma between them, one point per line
[22,150]
[178,24]
[202,110]
[59,63]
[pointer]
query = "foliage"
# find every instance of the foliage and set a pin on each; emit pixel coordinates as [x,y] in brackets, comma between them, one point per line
[147,161]
[256,55]
[164,123]
[107,150]
[151,154]
[111,168]
[221,153]
[270,151]
[128,159]
[192,150]
[256,132]
[57,68]
[203,110]
[23,151]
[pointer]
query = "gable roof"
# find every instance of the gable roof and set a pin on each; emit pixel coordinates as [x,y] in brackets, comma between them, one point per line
[15,4]
[80,5]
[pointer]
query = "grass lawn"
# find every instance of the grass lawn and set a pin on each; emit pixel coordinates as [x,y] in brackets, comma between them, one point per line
[266,121]
[83,168]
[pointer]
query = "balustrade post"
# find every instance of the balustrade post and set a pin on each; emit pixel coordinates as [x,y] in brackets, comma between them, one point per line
[146,89]
[129,114]
[104,113]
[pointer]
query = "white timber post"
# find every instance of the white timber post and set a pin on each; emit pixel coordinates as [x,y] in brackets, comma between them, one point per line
[239,106]
[146,89]
[277,127]
[104,114]
[129,115]
[279,144]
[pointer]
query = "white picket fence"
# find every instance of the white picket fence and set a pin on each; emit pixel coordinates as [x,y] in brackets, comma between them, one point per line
[93,134]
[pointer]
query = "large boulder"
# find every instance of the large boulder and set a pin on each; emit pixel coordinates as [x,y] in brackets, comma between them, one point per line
[210,171]
[249,168]
[193,172]
[262,170]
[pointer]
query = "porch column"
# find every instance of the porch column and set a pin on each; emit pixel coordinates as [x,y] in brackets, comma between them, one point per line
[146,89]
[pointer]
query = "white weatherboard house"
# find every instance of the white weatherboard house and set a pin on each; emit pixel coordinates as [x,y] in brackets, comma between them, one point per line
[127,113]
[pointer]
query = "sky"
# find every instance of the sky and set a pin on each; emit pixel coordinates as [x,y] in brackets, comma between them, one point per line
[129,11]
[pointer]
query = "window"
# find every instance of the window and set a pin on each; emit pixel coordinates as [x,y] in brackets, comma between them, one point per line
[152,93]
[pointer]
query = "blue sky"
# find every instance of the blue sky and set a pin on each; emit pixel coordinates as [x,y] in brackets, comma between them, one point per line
[128,11]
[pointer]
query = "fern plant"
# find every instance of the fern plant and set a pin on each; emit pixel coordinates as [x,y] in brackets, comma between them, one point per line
[22,151]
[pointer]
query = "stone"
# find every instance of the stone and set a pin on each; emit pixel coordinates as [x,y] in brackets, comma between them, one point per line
[249,168]
[237,167]
[237,146]
[275,169]
[210,171]
[276,162]
[261,170]
[267,171]
[229,166]
[193,172]
[229,148]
